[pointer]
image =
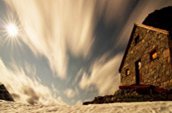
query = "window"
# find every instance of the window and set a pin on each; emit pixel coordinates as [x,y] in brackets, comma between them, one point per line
[127,72]
[137,39]
[153,55]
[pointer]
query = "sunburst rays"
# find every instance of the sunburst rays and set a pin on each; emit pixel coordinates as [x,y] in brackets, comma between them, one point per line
[10,32]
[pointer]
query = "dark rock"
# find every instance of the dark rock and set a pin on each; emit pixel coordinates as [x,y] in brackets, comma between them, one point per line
[160,19]
[4,94]
[134,94]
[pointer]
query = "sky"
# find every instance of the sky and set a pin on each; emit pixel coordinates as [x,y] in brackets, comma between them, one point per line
[66,51]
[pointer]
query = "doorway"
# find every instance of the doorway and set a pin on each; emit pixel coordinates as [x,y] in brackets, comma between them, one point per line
[137,70]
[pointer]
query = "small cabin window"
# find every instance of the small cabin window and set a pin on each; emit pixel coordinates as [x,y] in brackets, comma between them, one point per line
[153,55]
[127,72]
[137,39]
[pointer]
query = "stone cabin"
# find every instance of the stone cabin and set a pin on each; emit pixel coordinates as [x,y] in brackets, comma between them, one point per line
[146,67]
[148,56]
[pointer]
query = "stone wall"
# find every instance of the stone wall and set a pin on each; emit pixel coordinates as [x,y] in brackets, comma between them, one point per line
[156,71]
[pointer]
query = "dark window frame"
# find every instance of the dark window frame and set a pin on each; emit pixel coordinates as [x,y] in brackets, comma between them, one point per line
[137,39]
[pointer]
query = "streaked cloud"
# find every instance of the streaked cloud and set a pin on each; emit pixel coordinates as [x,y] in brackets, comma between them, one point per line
[113,12]
[57,27]
[70,93]
[104,75]
[54,27]
[26,88]
[139,13]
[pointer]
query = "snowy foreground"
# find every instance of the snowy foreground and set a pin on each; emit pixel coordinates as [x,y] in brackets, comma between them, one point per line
[145,107]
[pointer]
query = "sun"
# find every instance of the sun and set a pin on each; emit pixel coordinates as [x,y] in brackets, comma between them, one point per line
[12,30]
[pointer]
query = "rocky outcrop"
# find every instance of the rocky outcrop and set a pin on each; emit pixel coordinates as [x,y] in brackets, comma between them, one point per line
[134,93]
[4,94]
[160,19]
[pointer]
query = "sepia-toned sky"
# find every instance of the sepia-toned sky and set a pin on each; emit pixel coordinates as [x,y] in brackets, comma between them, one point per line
[66,51]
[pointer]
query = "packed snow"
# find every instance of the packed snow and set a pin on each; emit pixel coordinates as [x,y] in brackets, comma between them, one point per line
[137,107]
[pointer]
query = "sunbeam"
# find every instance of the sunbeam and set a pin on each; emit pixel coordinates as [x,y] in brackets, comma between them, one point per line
[12,30]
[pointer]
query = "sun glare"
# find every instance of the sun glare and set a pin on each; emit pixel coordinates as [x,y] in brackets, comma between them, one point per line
[12,30]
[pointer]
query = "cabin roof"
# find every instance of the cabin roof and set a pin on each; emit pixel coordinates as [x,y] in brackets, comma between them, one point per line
[153,28]
[131,38]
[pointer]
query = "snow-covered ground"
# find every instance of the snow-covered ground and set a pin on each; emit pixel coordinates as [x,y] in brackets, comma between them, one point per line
[140,107]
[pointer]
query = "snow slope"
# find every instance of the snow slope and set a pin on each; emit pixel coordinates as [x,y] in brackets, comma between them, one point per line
[144,107]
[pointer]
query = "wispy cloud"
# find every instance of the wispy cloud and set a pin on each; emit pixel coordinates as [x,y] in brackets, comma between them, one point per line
[26,88]
[104,75]
[139,13]
[70,93]
[53,27]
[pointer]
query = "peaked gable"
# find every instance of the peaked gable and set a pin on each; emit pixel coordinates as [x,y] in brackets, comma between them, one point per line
[128,46]
[131,39]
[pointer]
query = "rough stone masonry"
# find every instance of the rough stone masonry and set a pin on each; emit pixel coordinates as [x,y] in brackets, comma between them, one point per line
[144,43]
[147,59]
